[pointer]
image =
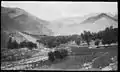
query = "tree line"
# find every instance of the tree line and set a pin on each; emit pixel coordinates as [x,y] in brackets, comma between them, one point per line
[15,45]
[107,36]
[54,41]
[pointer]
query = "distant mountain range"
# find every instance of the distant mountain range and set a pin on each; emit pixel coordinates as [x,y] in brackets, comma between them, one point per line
[75,25]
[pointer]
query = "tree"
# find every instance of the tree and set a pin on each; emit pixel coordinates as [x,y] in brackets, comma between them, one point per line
[15,44]
[77,41]
[108,36]
[31,45]
[9,43]
[115,33]
[23,44]
[49,41]
[63,52]
[35,45]
[60,53]
[57,54]
[104,42]
[53,41]
[51,56]
[97,42]
[12,44]
[86,36]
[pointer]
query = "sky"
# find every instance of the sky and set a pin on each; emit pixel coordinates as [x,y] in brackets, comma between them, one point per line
[55,10]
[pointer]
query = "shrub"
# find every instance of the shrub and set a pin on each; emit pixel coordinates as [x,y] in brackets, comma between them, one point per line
[51,56]
[57,54]
[77,41]
[30,45]
[97,42]
[23,44]
[13,56]
[61,53]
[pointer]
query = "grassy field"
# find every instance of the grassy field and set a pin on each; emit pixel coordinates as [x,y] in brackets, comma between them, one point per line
[84,50]
[100,57]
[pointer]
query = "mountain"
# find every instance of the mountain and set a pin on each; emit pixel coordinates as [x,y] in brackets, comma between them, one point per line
[95,18]
[75,25]
[18,20]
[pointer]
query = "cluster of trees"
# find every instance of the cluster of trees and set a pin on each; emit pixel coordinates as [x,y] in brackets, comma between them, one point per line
[14,45]
[108,36]
[54,41]
[86,36]
[57,54]
[29,45]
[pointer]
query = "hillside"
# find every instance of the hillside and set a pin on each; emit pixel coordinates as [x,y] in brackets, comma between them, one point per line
[16,19]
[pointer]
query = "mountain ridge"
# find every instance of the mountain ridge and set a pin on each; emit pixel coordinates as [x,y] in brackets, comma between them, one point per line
[99,16]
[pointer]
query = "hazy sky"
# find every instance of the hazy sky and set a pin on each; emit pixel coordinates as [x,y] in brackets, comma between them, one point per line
[54,10]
